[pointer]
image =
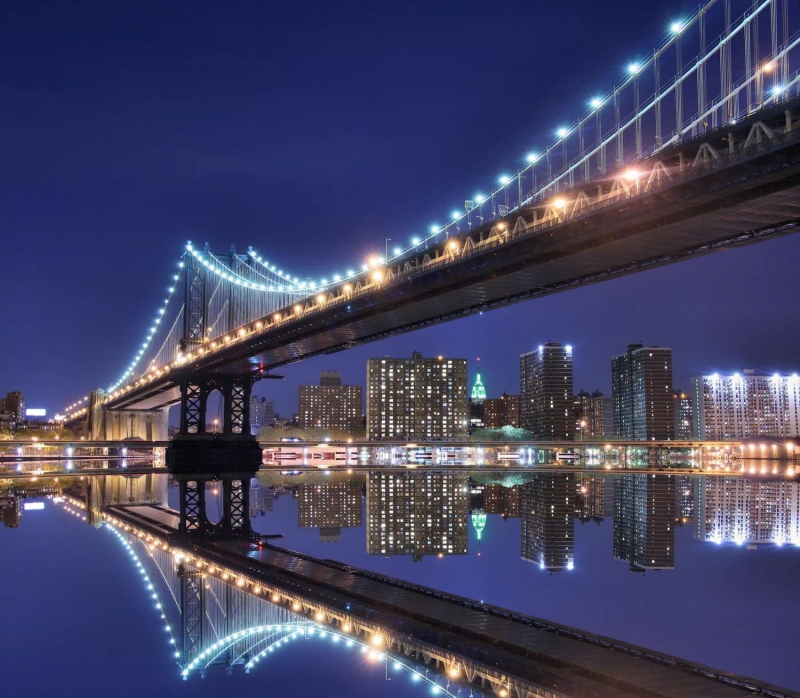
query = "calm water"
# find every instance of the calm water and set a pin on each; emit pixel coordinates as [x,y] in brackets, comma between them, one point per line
[703,568]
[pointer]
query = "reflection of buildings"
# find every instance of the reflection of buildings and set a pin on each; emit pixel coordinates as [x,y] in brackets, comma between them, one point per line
[641,381]
[11,511]
[329,507]
[330,405]
[684,498]
[502,500]
[545,386]
[417,398]
[747,511]
[547,535]
[590,497]
[417,514]
[746,405]
[644,521]
[501,412]
[261,498]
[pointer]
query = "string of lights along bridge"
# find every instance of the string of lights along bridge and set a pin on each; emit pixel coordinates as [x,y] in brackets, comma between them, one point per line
[719,92]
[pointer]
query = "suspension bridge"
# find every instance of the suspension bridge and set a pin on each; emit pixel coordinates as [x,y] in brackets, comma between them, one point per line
[697,149]
[230,605]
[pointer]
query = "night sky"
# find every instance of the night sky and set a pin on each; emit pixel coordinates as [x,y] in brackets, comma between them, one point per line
[313,133]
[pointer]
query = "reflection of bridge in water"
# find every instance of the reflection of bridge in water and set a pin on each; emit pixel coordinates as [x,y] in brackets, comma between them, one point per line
[232,603]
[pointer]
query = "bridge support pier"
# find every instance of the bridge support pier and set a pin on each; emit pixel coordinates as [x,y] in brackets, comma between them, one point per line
[103,424]
[233,448]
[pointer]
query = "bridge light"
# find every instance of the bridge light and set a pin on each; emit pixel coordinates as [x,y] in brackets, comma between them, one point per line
[320,298]
[377,640]
[226,339]
[297,308]
[453,245]
[632,175]
[560,203]
[434,229]
[397,251]
[347,628]
[777,90]
[504,179]
[295,606]
[769,67]
[480,198]
[501,226]
[276,317]
[676,27]
[337,277]
[595,103]
[242,332]
[634,68]
[259,325]
[562,132]
[347,288]
[377,276]
[453,671]
[320,616]
[415,241]
[532,158]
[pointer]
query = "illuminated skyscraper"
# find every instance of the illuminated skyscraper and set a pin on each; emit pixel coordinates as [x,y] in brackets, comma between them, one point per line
[588,411]
[590,497]
[501,412]
[684,422]
[641,387]
[644,521]
[502,500]
[745,405]
[545,386]
[330,405]
[262,414]
[417,398]
[547,532]
[417,513]
[329,506]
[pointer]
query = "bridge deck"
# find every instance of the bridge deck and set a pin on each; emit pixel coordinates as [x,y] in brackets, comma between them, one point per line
[564,659]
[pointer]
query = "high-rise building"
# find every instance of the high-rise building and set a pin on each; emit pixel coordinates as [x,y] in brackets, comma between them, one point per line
[746,404]
[747,511]
[417,398]
[11,511]
[330,405]
[477,400]
[501,412]
[329,506]
[587,409]
[644,521]
[682,407]
[262,413]
[547,532]
[14,404]
[417,513]
[545,386]
[641,381]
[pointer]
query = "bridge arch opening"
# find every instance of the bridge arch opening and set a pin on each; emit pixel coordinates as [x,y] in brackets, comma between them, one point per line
[215,412]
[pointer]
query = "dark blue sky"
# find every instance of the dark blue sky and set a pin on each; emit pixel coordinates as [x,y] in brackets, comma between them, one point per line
[314,132]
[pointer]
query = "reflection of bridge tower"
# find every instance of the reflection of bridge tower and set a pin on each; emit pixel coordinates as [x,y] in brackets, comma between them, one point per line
[101,491]
[235,515]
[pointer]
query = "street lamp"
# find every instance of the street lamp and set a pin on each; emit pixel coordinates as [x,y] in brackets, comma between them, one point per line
[216,422]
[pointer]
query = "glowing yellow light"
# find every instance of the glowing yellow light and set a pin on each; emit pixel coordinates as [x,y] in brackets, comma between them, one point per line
[347,627]
[377,640]
[226,339]
[347,288]
[769,67]
[632,175]
[320,298]
[295,606]
[320,616]
[453,672]
[298,308]
[453,245]
[276,317]
[259,325]
[560,203]
[276,598]
[242,332]
[377,276]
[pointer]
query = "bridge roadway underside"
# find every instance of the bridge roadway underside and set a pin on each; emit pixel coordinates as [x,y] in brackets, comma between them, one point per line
[757,198]
[564,660]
